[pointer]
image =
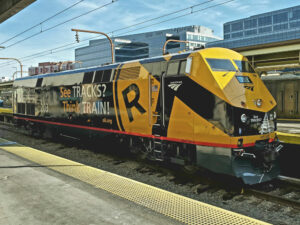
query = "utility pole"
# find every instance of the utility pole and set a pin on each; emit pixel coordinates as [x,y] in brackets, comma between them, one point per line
[97,32]
[21,66]
[172,40]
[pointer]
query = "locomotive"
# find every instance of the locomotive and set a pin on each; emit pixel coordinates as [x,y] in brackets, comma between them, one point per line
[205,108]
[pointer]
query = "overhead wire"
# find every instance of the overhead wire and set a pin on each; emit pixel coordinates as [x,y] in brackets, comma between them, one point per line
[168,14]
[146,21]
[59,24]
[62,48]
[114,31]
[195,11]
[44,21]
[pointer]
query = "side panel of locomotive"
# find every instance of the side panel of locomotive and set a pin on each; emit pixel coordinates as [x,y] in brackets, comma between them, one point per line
[68,102]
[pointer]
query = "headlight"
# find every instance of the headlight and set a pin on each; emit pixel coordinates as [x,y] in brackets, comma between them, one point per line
[258,102]
[243,118]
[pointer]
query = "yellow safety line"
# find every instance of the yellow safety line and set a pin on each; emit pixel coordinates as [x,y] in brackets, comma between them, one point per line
[180,208]
[6,110]
[289,138]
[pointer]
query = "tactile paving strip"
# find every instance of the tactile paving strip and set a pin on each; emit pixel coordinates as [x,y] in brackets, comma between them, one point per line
[180,208]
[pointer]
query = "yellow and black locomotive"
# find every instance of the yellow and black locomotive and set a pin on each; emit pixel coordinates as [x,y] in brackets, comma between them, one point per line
[205,108]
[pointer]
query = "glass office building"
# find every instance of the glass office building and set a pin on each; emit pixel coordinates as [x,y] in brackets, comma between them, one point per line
[143,45]
[276,26]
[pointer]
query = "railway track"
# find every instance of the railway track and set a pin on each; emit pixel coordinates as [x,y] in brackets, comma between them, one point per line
[284,190]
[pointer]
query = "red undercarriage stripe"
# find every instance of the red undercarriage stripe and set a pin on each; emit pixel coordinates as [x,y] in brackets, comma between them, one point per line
[134,134]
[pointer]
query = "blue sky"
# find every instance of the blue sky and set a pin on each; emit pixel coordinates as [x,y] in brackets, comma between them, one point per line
[120,14]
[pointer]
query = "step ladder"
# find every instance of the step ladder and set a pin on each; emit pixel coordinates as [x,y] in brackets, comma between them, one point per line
[158,143]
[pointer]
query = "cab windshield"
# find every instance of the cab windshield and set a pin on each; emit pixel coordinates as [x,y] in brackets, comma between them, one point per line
[220,64]
[244,66]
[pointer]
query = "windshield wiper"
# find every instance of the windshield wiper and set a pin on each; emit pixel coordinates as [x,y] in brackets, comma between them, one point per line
[225,74]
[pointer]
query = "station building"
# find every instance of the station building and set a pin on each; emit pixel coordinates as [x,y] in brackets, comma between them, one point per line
[276,26]
[143,45]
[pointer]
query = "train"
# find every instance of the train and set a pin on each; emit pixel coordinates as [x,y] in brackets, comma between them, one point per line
[206,108]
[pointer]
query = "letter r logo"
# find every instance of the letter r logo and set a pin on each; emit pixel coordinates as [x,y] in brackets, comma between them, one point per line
[134,102]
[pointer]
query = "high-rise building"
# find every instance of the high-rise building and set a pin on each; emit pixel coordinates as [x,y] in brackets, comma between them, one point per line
[143,45]
[275,26]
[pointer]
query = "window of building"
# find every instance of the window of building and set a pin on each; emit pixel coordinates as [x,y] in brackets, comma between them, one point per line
[227,28]
[88,78]
[250,32]
[295,15]
[237,26]
[236,35]
[265,30]
[263,21]
[280,18]
[171,45]
[295,24]
[280,27]
[252,23]
[226,36]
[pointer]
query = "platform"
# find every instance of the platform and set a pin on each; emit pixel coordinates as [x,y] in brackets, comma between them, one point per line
[288,131]
[46,191]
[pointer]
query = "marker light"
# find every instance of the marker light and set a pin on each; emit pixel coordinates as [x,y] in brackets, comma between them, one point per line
[244,118]
[259,102]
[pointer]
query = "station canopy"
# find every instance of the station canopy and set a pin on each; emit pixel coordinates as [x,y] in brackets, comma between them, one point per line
[8,8]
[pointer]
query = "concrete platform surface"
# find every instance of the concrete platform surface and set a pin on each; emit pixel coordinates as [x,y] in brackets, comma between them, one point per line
[36,195]
[291,127]
[48,189]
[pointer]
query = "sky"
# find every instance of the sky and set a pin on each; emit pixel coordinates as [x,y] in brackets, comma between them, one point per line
[113,16]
